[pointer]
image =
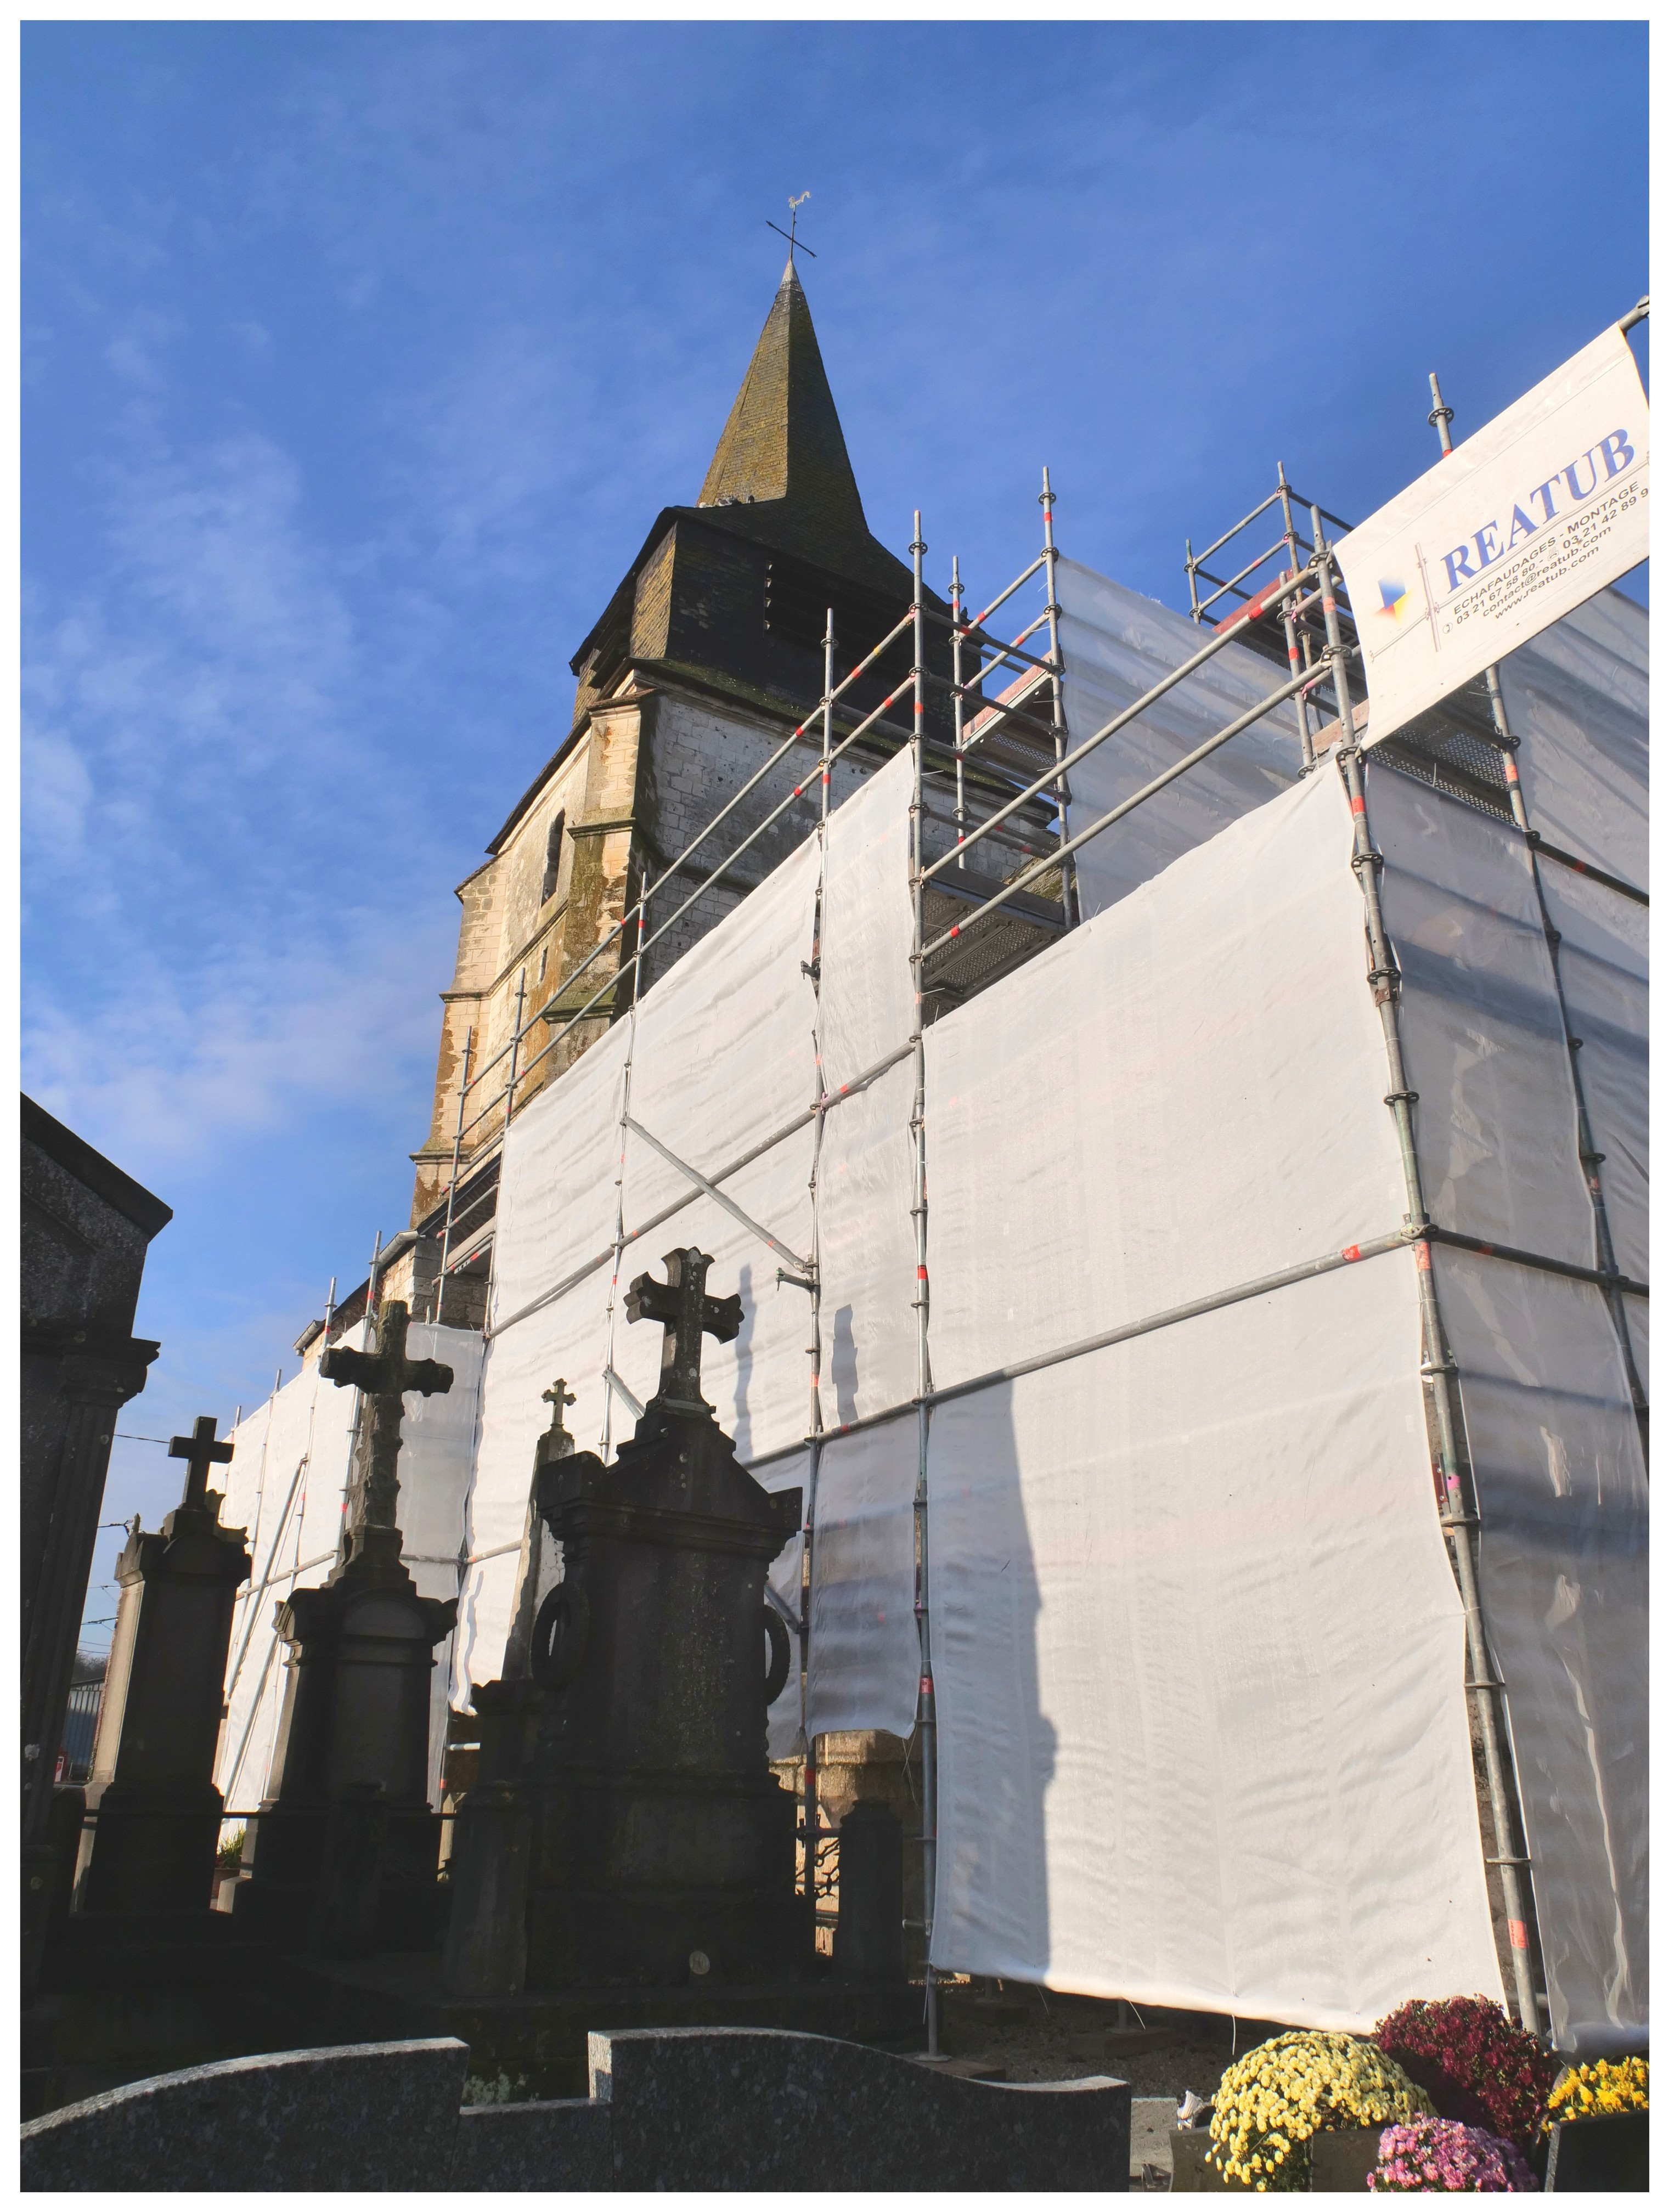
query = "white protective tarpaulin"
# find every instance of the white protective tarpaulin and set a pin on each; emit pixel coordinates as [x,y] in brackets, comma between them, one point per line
[1482,1039]
[1577,700]
[1198,1654]
[1541,509]
[1148,1562]
[1197,1643]
[719,1061]
[1183,1095]
[1602,972]
[285,1484]
[865,1649]
[1562,1494]
[1117,646]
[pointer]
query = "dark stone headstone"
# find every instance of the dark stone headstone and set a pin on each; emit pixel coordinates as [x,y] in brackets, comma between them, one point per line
[152,1787]
[371,2115]
[670,2109]
[539,1568]
[662,1847]
[868,1945]
[356,1713]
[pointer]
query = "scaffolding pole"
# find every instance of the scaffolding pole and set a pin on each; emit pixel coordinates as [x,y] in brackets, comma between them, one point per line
[1307,742]
[958,705]
[1057,705]
[1459,1517]
[452,1187]
[927,1718]
[814,1436]
[1587,1151]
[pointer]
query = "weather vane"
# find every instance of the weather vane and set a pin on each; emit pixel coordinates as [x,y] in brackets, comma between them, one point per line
[791,233]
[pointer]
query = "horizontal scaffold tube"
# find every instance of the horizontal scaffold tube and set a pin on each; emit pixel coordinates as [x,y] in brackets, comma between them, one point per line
[1276,594]
[1041,868]
[1372,1248]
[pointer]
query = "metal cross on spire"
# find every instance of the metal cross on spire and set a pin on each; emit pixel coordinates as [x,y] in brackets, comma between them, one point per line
[200,1452]
[682,1307]
[385,1376]
[796,244]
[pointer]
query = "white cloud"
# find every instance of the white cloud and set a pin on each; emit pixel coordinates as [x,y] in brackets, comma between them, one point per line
[210,781]
[170,1067]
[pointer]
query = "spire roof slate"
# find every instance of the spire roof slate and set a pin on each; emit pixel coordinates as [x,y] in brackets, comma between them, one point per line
[782,449]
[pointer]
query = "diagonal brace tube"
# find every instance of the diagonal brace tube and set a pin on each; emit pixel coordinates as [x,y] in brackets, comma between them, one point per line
[717,1195]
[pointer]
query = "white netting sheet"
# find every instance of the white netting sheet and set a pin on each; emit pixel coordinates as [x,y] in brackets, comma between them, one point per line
[719,1060]
[1184,1095]
[1577,700]
[1198,1657]
[1482,1040]
[1603,972]
[1117,646]
[865,1651]
[1563,1499]
[285,1484]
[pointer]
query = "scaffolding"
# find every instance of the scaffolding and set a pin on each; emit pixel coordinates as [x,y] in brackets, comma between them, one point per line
[1009,768]
[992,763]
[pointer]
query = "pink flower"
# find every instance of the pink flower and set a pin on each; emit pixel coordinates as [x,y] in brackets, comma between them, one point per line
[1427,2154]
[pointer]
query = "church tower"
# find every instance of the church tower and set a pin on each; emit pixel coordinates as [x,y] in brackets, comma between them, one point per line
[707,656]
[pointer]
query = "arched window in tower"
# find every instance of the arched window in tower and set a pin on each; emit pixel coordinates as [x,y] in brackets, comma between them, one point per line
[553,856]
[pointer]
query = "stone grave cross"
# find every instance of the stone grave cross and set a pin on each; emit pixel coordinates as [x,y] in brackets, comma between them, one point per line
[385,1376]
[200,1451]
[682,1307]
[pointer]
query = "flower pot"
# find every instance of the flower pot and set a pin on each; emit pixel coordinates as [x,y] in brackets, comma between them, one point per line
[1607,2152]
[1342,2157]
[1189,2166]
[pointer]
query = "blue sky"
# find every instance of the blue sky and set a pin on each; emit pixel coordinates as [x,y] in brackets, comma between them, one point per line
[358,359]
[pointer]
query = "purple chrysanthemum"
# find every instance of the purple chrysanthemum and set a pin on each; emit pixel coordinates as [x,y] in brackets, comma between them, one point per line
[1427,2154]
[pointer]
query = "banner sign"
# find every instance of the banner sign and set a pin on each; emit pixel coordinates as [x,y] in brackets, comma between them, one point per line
[1541,509]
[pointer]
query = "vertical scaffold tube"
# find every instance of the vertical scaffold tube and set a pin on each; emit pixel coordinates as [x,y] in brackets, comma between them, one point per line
[1440,419]
[926,1718]
[1459,1517]
[516,1046]
[643,912]
[1591,1157]
[958,717]
[815,1446]
[451,1188]
[1306,741]
[1057,700]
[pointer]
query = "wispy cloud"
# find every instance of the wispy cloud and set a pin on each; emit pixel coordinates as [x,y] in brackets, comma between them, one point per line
[168,1064]
[216,951]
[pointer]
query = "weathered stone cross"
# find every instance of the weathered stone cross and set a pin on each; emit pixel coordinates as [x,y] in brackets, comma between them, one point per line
[682,1307]
[556,1442]
[385,1376]
[200,1452]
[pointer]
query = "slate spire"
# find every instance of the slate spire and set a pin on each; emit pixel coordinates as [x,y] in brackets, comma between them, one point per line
[783,441]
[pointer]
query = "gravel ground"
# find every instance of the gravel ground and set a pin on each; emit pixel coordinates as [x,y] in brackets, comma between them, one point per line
[1062,2039]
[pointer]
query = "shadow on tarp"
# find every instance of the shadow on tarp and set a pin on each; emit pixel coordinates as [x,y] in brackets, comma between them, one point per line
[997,1752]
